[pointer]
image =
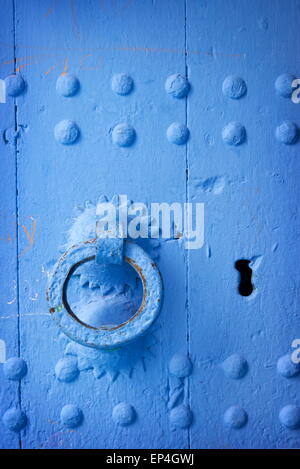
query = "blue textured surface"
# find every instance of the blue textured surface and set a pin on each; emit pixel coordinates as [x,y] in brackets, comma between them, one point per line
[114,77]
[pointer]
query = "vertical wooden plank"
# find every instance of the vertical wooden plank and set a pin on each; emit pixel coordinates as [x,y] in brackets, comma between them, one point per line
[9,394]
[95,40]
[251,196]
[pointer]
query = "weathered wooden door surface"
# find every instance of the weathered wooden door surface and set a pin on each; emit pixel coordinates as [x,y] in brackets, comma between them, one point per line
[215,371]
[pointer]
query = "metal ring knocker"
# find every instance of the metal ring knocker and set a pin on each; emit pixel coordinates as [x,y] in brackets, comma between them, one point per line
[105,250]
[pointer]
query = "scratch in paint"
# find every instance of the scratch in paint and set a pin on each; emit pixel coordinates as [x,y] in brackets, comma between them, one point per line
[116,8]
[15,297]
[66,67]
[30,237]
[51,9]
[74,19]
[24,314]
[100,62]
[50,69]
[32,296]
[23,66]
[53,439]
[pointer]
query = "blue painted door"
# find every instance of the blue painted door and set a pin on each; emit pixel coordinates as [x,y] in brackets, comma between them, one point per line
[164,101]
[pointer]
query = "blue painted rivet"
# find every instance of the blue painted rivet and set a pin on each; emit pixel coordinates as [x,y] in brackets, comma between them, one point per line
[286,368]
[177,133]
[66,132]
[234,87]
[180,365]
[289,416]
[181,417]
[123,414]
[235,366]
[177,86]
[67,85]
[71,416]
[14,419]
[234,133]
[122,83]
[14,85]
[287,132]
[283,85]
[235,417]
[15,368]
[66,369]
[123,135]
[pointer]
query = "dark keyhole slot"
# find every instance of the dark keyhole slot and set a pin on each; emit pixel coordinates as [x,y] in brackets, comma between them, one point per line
[245,286]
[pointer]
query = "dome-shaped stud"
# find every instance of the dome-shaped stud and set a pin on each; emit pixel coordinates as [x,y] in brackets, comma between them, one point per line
[67,85]
[235,366]
[283,85]
[180,365]
[71,416]
[66,132]
[123,135]
[181,417]
[234,87]
[235,417]
[122,84]
[123,414]
[14,85]
[177,86]
[14,419]
[234,133]
[15,368]
[287,132]
[289,416]
[178,133]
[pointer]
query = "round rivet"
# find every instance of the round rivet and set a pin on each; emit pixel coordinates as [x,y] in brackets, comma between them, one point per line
[289,416]
[66,369]
[71,416]
[283,85]
[235,366]
[181,417]
[67,85]
[121,83]
[286,367]
[235,417]
[178,133]
[177,86]
[15,368]
[123,414]
[14,419]
[234,87]
[180,365]
[14,85]
[287,133]
[234,133]
[123,135]
[66,132]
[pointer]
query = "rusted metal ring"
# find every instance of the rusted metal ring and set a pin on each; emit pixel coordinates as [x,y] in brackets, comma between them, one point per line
[104,337]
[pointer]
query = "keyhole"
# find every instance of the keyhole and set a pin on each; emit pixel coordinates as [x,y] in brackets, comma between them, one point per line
[245,285]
